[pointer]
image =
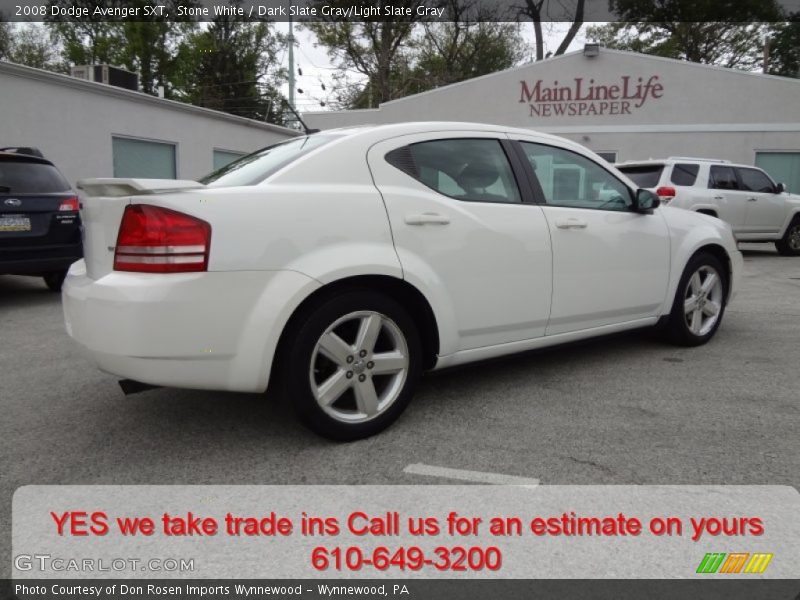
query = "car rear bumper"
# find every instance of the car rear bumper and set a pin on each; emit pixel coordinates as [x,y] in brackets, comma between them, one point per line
[32,260]
[215,330]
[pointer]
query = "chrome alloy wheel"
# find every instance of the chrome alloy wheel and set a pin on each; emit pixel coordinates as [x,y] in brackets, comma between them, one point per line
[359,366]
[793,237]
[703,300]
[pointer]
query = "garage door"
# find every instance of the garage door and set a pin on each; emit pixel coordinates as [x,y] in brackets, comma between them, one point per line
[783,167]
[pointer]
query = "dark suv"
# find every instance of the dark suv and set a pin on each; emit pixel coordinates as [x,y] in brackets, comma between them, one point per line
[39,222]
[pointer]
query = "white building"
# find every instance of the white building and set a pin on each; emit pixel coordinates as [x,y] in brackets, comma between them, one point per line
[92,129]
[624,106]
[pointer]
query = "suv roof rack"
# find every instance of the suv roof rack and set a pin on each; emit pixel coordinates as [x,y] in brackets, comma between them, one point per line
[28,150]
[714,160]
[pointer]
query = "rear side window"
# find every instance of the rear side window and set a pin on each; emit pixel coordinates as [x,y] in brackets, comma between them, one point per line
[684,174]
[476,170]
[17,177]
[645,176]
[256,167]
[723,178]
[755,180]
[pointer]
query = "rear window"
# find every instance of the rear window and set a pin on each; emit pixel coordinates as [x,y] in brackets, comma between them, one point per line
[256,167]
[645,176]
[18,177]
[684,174]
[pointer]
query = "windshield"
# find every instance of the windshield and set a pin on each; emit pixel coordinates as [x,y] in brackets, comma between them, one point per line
[256,167]
[645,176]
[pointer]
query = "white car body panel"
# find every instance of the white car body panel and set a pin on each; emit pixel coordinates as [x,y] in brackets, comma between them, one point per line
[493,278]
[753,216]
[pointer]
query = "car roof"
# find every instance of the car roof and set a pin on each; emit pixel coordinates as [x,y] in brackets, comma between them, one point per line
[16,157]
[660,162]
[397,129]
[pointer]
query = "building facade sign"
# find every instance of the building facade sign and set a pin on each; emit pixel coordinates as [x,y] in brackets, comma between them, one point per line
[582,97]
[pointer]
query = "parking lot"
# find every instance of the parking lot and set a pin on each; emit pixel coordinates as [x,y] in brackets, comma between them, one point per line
[621,410]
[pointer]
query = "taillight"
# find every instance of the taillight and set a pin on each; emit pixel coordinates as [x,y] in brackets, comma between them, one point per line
[665,192]
[152,239]
[70,204]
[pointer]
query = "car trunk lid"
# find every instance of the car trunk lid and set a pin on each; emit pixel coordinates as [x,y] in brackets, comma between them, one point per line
[102,203]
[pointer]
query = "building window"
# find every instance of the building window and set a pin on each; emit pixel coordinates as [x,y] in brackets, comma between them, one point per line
[225,157]
[609,156]
[783,167]
[143,158]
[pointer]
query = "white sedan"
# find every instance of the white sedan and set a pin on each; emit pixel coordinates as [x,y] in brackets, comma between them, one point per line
[345,263]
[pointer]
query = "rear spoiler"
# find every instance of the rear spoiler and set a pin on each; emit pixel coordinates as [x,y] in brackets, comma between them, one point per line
[113,187]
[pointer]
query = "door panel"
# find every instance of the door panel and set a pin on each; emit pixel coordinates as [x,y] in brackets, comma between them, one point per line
[613,269]
[490,258]
[766,210]
[731,202]
[610,265]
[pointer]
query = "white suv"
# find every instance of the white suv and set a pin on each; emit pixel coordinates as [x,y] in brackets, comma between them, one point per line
[758,209]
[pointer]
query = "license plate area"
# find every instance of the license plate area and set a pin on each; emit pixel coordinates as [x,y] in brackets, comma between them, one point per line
[14,223]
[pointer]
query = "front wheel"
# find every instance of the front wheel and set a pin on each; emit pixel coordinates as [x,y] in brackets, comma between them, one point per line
[699,302]
[789,244]
[353,364]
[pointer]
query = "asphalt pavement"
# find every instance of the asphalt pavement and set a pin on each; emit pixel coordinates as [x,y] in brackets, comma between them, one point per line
[626,409]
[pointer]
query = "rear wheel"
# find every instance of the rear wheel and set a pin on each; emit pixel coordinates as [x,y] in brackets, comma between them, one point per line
[699,302]
[789,244]
[352,365]
[55,280]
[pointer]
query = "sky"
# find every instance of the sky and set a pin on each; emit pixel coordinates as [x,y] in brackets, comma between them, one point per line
[318,70]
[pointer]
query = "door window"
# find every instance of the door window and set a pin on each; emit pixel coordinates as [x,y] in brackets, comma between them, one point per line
[723,178]
[475,170]
[570,179]
[684,173]
[754,180]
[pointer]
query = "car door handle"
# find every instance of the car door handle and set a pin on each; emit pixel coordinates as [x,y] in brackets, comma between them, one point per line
[571,223]
[719,197]
[752,199]
[427,219]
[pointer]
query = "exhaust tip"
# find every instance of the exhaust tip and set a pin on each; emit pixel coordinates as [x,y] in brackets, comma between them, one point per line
[129,386]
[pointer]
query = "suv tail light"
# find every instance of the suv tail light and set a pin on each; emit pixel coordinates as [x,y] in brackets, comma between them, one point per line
[152,239]
[665,192]
[69,204]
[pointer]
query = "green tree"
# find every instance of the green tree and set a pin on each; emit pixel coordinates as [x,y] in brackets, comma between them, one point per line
[784,47]
[719,32]
[377,50]
[150,48]
[468,44]
[394,59]
[30,45]
[233,66]
[5,38]
[88,41]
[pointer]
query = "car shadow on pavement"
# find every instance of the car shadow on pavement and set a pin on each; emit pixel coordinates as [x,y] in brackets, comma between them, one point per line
[17,291]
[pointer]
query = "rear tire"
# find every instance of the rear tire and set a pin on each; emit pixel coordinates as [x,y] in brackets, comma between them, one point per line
[699,302]
[55,280]
[789,244]
[351,365]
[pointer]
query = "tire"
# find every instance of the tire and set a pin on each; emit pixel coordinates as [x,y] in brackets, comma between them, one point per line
[331,376]
[55,280]
[694,323]
[789,244]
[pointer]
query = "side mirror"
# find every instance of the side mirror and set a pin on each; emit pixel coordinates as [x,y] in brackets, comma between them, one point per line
[780,188]
[645,201]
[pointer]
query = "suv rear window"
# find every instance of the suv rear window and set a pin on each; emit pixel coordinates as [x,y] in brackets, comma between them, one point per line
[645,176]
[24,177]
[684,174]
